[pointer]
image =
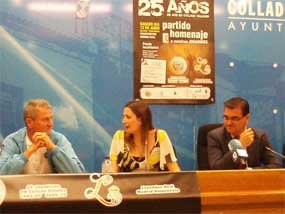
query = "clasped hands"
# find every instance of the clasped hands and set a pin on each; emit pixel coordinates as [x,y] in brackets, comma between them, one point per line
[39,140]
[246,137]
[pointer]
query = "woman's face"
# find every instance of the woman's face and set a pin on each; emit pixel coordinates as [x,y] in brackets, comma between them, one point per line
[131,122]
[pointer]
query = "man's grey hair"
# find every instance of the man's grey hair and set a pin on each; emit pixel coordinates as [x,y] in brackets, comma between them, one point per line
[31,107]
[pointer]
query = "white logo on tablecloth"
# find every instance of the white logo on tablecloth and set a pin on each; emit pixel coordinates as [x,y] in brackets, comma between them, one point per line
[114,197]
[2,191]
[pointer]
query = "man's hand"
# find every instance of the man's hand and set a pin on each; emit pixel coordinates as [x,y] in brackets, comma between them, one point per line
[34,147]
[43,139]
[39,139]
[246,137]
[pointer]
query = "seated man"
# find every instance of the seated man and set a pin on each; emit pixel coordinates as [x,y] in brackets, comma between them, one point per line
[37,149]
[254,141]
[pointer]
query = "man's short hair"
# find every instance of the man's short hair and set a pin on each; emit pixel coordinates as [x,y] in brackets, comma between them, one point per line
[237,102]
[31,107]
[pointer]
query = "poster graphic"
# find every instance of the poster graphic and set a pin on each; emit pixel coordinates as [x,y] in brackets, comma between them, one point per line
[174,51]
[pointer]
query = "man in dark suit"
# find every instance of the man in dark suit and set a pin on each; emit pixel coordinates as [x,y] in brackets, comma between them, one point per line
[254,141]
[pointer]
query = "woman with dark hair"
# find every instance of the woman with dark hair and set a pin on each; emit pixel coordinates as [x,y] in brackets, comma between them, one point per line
[140,146]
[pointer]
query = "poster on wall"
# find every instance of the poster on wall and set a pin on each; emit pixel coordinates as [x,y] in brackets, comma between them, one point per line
[174,51]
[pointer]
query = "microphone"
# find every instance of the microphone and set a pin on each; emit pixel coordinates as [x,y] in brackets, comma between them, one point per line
[239,153]
[274,152]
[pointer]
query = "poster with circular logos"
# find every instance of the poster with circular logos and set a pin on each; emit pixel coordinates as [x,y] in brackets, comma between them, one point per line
[174,51]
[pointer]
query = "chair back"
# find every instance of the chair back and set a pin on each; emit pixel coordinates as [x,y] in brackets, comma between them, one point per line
[202,150]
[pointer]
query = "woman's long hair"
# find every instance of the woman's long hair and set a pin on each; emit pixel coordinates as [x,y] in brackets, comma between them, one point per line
[142,111]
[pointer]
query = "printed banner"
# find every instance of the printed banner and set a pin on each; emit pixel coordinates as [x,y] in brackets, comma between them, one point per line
[174,51]
[101,193]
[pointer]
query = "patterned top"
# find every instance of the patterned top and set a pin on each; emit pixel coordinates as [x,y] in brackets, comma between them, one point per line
[161,154]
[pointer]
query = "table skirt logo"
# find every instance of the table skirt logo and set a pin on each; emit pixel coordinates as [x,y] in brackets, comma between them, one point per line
[114,197]
[2,191]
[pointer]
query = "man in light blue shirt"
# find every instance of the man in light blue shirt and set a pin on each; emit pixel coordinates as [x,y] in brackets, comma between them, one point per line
[37,149]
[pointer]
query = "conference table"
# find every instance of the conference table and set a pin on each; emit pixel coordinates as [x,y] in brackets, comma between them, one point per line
[228,191]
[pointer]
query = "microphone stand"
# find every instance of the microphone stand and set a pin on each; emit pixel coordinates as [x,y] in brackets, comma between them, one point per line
[274,152]
[145,156]
[246,166]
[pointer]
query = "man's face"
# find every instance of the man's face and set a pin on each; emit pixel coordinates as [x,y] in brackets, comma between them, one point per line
[234,121]
[43,122]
